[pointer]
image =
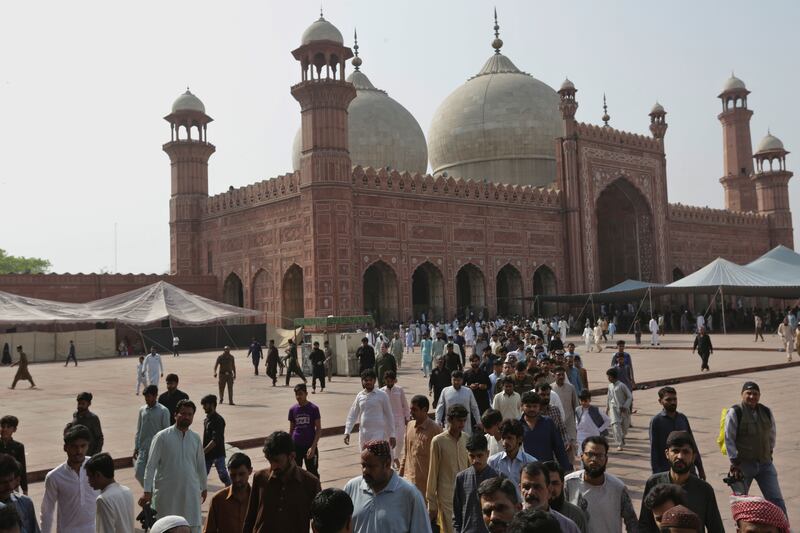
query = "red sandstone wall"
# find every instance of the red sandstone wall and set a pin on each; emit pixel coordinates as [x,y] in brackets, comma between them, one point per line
[81,288]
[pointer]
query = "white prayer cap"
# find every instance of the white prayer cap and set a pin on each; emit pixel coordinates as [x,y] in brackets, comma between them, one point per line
[167,523]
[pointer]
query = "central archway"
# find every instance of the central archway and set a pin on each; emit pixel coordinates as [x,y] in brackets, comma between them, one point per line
[381,298]
[470,291]
[292,298]
[544,283]
[624,235]
[427,292]
[509,291]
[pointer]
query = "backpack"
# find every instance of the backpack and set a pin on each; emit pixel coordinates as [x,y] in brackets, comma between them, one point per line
[723,416]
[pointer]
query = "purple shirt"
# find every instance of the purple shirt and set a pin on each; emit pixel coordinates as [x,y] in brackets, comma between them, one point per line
[304,417]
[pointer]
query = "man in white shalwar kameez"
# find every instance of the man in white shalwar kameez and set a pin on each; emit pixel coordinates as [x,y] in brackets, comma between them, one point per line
[618,405]
[653,327]
[373,412]
[175,477]
[397,399]
[152,367]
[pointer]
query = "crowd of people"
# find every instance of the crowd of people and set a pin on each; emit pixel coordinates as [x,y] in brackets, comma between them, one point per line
[507,440]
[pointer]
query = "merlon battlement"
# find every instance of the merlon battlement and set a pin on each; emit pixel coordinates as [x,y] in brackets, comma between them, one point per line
[591,132]
[254,194]
[708,215]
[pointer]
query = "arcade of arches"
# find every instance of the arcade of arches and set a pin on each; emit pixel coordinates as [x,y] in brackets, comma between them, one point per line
[292,301]
[427,292]
[381,294]
[624,235]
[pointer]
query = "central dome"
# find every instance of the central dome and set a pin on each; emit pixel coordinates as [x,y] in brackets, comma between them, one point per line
[500,126]
[382,133]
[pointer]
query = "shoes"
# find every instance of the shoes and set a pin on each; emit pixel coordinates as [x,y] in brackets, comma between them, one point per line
[313,391]
[619,448]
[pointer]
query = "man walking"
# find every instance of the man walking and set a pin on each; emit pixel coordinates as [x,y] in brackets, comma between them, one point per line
[317,359]
[385,362]
[229,506]
[542,439]
[71,354]
[467,515]
[508,401]
[680,452]
[292,363]
[438,380]
[214,439]
[448,457]
[176,341]
[618,406]
[152,367]
[373,412]
[153,417]
[273,360]
[326,347]
[419,433]
[569,401]
[365,355]
[557,500]
[90,421]
[513,458]
[653,327]
[787,336]
[175,477]
[425,348]
[397,399]
[255,353]
[750,440]
[10,472]
[227,374]
[172,396]
[702,343]
[534,485]
[23,374]
[114,512]
[305,427]
[396,349]
[662,425]
[476,380]
[14,448]
[457,394]
[67,490]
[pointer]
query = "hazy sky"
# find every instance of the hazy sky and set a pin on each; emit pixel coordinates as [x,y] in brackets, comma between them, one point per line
[84,86]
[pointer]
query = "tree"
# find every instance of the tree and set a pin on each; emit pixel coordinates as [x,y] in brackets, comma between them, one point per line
[11,264]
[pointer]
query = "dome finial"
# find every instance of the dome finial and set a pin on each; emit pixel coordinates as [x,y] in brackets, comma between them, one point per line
[605,117]
[497,43]
[356,60]
[320,12]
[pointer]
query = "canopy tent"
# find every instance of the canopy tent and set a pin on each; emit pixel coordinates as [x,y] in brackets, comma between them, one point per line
[630,289]
[138,307]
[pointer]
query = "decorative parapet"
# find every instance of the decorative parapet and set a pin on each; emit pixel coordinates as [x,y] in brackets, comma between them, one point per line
[707,215]
[608,135]
[255,194]
[457,188]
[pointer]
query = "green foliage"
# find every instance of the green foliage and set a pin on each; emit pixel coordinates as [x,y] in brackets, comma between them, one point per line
[11,264]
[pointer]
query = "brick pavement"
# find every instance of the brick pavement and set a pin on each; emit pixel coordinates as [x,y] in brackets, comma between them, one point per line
[261,408]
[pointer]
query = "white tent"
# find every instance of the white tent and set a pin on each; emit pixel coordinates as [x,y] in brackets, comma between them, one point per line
[142,306]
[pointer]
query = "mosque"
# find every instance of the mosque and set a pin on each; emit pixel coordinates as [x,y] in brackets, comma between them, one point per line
[522,199]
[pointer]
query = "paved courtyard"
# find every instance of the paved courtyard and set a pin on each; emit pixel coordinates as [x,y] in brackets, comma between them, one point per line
[260,408]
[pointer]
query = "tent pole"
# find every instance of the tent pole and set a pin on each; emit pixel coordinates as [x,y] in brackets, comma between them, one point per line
[722,297]
[650,298]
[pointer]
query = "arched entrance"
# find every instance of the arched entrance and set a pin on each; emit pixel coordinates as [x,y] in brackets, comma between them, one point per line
[470,291]
[232,291]
[509,290]
[544,283]
[262,291]
[427,292]
[677,274]
[380,293]
[292,301]
[624,235]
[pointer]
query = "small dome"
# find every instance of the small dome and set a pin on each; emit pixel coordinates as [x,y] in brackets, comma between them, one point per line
[322,30]
[733,84]
[567,85]
[381,132]
[657,109]
[188,102]
[769,143]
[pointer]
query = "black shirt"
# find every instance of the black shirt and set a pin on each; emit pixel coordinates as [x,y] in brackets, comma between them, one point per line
[452,361]
[170,401]
[92,423]
[366,357]
[701,500]
[317,358]
[439,379]
[481,395]
[702,343]
[17,451]
[214,430]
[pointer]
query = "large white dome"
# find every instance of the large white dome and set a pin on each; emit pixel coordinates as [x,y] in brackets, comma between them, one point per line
[500,125]
[381,131]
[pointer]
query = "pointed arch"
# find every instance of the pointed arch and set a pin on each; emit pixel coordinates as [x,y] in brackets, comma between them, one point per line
[470,291]
[544,283]
[509,291]
[233,290]
[262,291]
[427,292]
[380,293]
[292,296]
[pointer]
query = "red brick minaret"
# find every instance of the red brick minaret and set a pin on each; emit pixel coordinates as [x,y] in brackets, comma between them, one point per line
[771,182]
[189,151]
[737,147]
[331,281]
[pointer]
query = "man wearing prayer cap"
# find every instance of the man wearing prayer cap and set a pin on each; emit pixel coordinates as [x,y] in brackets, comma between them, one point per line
[680,519]
[754,514]
[171,524]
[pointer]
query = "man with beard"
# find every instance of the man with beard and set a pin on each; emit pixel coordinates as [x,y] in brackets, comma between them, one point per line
[607,502]
[385,362]
[569,400]
[280,500]
[384,502]
[457,394]
[373,412]
[557,500]
[417,450]
[546,393]
[542,438]
[534,485]
[499,503]
[448,457]
[478,382]
[680,452]
[84,417]
[229,505]
[153,417]
[467,516]
[175,477]
[664,423]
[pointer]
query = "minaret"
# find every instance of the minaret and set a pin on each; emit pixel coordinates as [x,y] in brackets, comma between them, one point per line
[771,182]
[658,122]
[331,274]
[189,151]
[737,147]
